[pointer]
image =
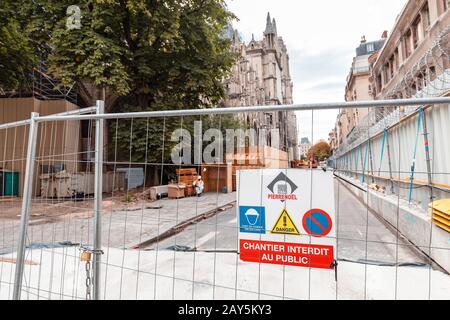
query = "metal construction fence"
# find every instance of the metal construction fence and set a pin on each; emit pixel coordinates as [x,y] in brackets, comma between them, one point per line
[404,151]
[407,156]
[116,238]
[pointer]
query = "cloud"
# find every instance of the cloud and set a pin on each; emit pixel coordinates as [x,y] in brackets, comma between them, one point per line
[330,61]
[326,86]
[321,37]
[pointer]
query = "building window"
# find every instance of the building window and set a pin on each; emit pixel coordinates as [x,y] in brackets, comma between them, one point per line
[426,15]
[432,73]
[415,32]
[379,83]
[396,58]
[408,44]
[391,67]
[413,88]
[370,47]
[386,73]
[419,82]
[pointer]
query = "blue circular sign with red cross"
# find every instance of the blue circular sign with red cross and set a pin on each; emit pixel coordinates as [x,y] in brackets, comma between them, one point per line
[317,223]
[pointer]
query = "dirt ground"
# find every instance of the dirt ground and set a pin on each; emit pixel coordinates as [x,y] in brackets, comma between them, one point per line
[44,210]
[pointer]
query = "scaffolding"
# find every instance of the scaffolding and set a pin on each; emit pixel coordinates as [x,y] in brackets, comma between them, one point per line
[42,86]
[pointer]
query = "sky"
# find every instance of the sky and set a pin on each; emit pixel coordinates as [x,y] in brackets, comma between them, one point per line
[321,37]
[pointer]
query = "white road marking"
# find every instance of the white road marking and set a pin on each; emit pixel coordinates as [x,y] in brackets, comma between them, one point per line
[205,238]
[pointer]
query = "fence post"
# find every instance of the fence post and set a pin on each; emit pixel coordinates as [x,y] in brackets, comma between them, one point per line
[98,200]
[26,203]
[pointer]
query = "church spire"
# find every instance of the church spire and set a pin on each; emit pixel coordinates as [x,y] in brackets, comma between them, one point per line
[274,26]
[269,26]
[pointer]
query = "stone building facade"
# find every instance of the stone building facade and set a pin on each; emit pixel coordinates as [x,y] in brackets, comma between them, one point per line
[261,76]
[401,61]
[412,62]
[304,147]
[358,88]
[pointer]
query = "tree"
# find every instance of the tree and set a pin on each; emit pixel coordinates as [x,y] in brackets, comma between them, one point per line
[149,50]
[149,140]
[16,55]
[320,151]
[152,54]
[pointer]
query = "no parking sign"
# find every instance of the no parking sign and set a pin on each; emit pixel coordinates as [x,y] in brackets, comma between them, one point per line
[286,217]
[317,223]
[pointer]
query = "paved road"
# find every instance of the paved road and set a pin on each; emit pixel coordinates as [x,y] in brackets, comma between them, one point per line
[358,240]
[361,235]
[121,228]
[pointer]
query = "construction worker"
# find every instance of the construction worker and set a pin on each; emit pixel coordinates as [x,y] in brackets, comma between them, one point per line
[199,185]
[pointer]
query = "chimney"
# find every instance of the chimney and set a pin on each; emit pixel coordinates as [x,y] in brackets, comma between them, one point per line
[384,35]
[363,39]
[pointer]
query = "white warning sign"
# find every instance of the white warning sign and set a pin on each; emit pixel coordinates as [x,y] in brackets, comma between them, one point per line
[288,220]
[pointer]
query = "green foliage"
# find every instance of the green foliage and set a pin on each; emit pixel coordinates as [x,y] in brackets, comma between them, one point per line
[16,55]
[320,151]
[153,54]
[143,140]
[134,47]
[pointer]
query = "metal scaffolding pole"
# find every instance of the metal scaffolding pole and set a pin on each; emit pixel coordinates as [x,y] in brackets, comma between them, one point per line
[371,161]
[26,204]
[427,153]
[99,123]
[388,148]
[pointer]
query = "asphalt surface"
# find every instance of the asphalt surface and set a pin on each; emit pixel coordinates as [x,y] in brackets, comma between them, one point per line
[122,227]
[362,237]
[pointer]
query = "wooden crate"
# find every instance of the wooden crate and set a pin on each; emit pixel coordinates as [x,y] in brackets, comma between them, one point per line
[217,178]
[176,191]
[187,176]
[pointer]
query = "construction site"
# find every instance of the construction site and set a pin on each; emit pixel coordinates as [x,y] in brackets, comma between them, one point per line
[100,200]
